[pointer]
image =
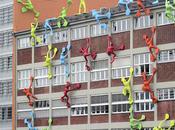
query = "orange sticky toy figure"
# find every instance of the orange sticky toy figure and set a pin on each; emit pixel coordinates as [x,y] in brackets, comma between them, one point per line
[86,54]
[110,49]
[67,89]
[150,44]
[146,85]
[28,93]
[141,6]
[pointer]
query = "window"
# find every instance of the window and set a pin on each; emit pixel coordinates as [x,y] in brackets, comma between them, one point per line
[41,77]
[162,19]
[96,30]
[117,73]
[143,102]
[24,78]
[6,63]
[99,104]
[79,106]
[41,104]
[6,38]
[78,72]
[5,88]
[99,70]
[6,15]
[120,103]
[59,75]
[166,56]
[143,22]
[121,25]
[166,94]
[24,43]
[5,113]
[60,36]
[142,63]
[79,33]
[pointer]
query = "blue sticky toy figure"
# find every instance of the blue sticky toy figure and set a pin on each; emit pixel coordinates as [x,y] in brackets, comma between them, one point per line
[28,122]
[48,26]
[64,56]
[98,16]
[155,2]
[126,3]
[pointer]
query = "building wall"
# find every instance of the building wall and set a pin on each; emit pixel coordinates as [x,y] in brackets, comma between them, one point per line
[101,87]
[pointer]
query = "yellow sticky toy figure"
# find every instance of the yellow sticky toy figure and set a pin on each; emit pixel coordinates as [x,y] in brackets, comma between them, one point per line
[34,38]
[82,7]
[48,59]
[127,86]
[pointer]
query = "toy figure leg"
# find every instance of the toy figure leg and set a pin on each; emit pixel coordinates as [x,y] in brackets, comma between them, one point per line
[65,22]
[113,57]
[93,55]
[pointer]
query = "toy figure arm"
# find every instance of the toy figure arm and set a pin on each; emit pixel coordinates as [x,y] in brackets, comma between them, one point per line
[131,74]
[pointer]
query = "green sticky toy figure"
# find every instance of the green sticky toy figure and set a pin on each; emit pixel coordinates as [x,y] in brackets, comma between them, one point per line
[167,117]
[48,59]
[62,16]
[135,124]
[28,6]
[69,3]
[127,86]
[34,38]
[169,10]
[50,123]
[82,7]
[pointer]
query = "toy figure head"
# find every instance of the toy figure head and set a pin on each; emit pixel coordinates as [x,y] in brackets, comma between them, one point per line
[144,76]
[145,37]
[64,50]
[25,90]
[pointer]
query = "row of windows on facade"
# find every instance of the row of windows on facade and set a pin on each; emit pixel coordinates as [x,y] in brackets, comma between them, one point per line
[118,26]
[6,15]
[5,113]
[6,38]
[99,104]
[78,72]
[5,63]
[5,88]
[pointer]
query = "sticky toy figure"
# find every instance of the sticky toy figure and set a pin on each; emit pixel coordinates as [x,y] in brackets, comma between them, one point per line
[127,86]
[82,7]
[126,3]
[28,93]
[29,123]
[86,54]
[28,6]
[146,85]
[50,123]
[69,2]
[141,6]
[135,124]
[67,89]
[48,59]
[172,124]
[170,8]
[63,58]
[159,127]
[98,16]
[111,49]
[34,38]
[47,25]
[151,46]
[62,17]
[155,2]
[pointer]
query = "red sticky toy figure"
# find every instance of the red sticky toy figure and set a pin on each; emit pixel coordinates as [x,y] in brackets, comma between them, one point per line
[149,43]
[110,50]
[141,6]
[29,94]
[146,86]
[86,54]
[67,89]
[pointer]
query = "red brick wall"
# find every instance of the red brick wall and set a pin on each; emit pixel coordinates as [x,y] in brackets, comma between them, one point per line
[79,120]
[41,122]
[166,72]
[59,88]
[60,121]
[164,107]
[24,56]
[20,92]
[121,38]
[138,37]
[40,53]
[165,34]
[148,115]
[116,82]
[99,119]
[41,90]
[99,84]
[20,123]
[123,117]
